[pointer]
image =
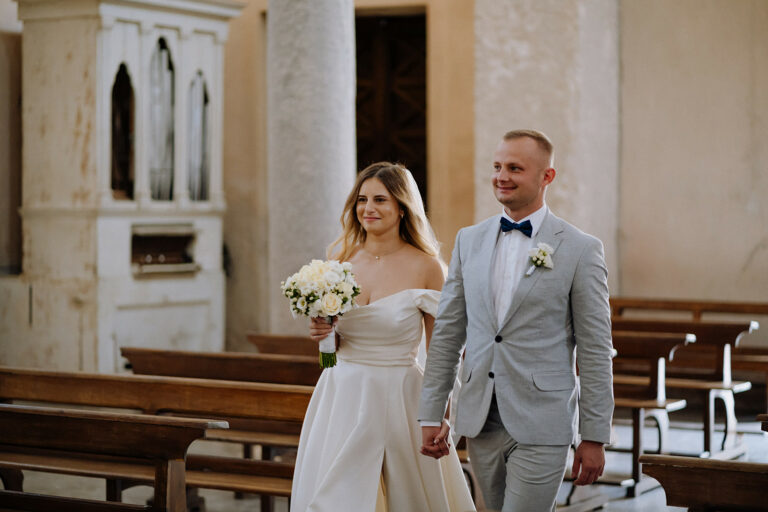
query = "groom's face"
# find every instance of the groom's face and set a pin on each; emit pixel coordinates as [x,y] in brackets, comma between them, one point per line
[521,173]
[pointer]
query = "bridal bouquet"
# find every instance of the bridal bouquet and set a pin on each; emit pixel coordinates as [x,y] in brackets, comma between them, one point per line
[322,289]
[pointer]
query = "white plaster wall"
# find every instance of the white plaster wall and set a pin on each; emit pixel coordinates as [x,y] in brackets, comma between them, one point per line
[553,66]
[694,174]
[10,137]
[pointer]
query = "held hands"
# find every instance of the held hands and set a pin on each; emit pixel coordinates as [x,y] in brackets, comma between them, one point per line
[590,459]
[435,441]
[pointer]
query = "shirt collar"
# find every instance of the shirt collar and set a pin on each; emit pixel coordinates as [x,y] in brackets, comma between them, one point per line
[536,218]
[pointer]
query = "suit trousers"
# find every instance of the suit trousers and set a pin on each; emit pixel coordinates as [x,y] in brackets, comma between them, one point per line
[515,477]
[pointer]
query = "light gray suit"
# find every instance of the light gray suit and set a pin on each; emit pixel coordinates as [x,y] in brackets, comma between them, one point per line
[529,361]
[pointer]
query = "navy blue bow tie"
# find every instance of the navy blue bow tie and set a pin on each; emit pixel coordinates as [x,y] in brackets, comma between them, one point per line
[524,227]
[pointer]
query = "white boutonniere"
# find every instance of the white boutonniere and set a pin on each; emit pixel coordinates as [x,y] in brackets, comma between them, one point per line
[541,256]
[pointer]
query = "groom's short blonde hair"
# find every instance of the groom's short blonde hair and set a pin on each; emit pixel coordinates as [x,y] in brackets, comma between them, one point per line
[542,140]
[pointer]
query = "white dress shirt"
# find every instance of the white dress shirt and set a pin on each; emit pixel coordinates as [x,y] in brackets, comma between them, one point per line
[510,261]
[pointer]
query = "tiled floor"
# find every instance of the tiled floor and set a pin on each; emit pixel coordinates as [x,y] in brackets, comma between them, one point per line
[687,439]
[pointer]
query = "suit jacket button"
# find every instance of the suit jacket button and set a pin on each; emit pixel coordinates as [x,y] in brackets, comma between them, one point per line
[490,374]
[497,339]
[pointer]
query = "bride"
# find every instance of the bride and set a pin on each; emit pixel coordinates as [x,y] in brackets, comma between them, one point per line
[360,442]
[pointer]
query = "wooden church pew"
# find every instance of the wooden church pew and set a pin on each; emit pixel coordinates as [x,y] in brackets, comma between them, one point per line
[745,359]
[246,406]
[281,344]
[709,484]
[713,350]
[645,396]
[240,366]
[152,448]
[247,367]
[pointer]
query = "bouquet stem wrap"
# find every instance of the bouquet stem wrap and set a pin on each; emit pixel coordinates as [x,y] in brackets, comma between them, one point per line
[327,347]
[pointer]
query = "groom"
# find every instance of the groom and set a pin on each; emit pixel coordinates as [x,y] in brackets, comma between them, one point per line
[525,324]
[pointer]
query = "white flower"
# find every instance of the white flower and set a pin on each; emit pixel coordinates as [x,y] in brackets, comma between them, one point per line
[332,277]
[301,304]
[345,289]
[314,309]
[541,256]
[330,304]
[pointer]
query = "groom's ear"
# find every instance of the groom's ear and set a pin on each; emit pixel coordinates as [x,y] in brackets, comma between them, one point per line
[549,175]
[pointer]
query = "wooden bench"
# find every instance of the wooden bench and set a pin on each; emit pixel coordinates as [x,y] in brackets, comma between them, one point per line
[246,367]
[645,396]
[697,308]
[154,447]
[714,341]
[245,405]
[239,366]
[709,484]
[280,344]
[743,359]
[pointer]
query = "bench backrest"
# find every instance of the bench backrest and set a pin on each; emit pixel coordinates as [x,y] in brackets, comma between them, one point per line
[161,441]
[271,368]
[647,352]
[713,341]
[620,305]
[280,344]
[153,394]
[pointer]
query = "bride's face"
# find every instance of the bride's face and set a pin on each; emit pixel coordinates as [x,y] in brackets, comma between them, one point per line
[377,211]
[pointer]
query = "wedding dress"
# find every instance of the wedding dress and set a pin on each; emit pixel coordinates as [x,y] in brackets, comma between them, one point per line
[359,446]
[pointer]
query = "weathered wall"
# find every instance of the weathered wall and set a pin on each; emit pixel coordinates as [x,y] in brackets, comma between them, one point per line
[694,173]
[694,189]
[553,66]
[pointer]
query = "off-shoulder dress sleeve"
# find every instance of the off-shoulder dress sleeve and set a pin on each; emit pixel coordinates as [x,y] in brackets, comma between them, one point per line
[427,301]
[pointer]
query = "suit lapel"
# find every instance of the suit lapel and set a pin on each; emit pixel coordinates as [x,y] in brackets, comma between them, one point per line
[549,233]
[486,254]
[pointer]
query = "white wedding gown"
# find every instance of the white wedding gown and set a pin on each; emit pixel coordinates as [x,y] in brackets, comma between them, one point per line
[359,447]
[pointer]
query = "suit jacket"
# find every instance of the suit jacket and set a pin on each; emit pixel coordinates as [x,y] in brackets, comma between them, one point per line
[530,359]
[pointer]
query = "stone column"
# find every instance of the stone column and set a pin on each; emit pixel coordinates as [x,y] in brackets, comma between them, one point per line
[553,66]
[311,136]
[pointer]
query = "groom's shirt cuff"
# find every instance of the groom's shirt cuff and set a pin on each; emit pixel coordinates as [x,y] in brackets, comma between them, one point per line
[430,423]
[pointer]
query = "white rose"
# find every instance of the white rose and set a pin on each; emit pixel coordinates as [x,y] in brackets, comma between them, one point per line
[330,304]
[345,289]
[314,309]
[346,266]
[332,277]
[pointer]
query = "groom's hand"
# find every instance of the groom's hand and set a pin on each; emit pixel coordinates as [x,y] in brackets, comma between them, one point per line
[588,462]
[434,440]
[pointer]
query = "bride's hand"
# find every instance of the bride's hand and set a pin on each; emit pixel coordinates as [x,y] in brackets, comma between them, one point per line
[436,441]
[319,329]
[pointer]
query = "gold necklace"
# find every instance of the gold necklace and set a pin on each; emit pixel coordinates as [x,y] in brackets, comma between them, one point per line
[378,257]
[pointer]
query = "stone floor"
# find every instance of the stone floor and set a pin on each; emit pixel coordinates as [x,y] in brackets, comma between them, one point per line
[684,436]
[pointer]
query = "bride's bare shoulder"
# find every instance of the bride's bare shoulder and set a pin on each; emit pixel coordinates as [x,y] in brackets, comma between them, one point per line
[429,267]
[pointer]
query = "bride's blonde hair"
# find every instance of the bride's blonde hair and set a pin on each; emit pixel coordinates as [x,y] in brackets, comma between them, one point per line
[414,226]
